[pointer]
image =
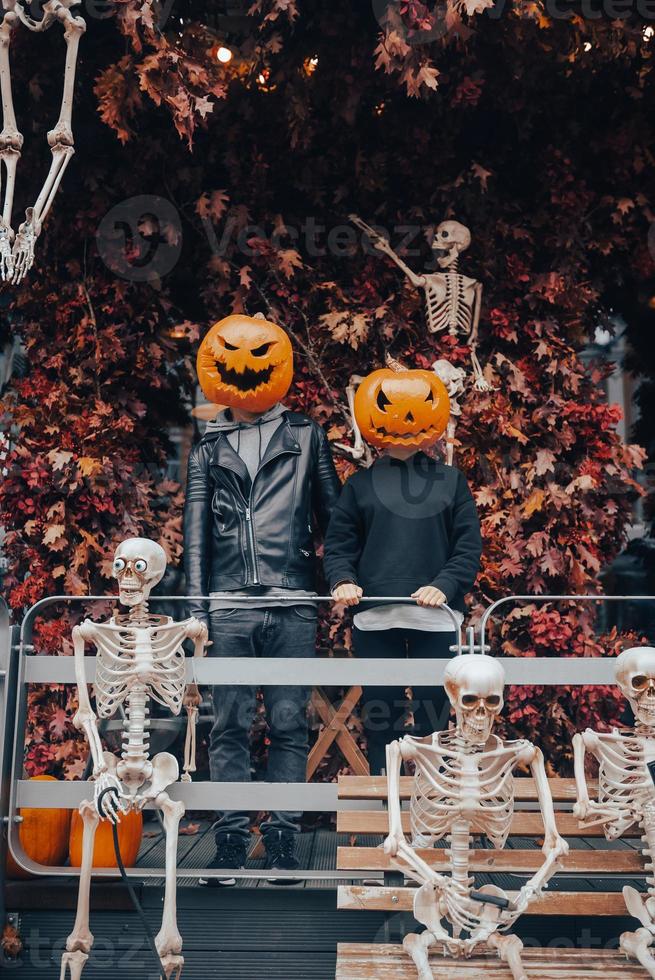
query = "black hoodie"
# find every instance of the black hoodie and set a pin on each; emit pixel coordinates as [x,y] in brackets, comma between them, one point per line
[400,525]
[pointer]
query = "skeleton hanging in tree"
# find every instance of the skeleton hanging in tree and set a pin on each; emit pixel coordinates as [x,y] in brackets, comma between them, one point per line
[17,249]
[139,657]
[626,793]
[454,379]
[405,415]
[452,300]
[463,785]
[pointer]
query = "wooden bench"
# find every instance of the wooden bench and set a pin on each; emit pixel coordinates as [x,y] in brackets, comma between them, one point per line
[564,897]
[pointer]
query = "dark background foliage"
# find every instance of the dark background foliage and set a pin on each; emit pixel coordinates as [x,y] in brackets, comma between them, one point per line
[534,131]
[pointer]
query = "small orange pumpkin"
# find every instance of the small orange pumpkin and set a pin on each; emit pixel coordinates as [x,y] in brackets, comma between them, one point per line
[130,831]
[402,408]
[43,835]
[245,362]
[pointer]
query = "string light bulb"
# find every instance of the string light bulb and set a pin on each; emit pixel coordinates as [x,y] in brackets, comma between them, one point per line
[310,64]
[224,55]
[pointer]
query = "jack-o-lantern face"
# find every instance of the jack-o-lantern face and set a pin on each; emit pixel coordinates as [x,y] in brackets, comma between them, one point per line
[245,362]
[402,408]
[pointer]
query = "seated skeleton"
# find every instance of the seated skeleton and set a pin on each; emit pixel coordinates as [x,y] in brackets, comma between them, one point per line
[626,791]
[463,785]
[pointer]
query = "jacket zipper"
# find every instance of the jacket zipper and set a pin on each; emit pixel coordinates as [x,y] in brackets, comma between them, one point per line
[251,542]
[250,527]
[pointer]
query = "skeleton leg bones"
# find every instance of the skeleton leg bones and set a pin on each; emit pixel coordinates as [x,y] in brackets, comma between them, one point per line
[637,944]
[509,949]
[80,940]
[169,940]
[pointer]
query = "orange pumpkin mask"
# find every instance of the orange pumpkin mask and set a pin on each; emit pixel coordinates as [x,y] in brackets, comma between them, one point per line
[245,362]
[402,408]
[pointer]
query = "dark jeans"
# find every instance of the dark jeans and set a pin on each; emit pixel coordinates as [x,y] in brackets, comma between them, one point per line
[384,708]
[273,632]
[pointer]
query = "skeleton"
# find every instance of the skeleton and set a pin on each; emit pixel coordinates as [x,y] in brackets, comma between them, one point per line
[17,250]
[626,793]
[359,451]
[454,379]
[139,657]
[452,301]
[463,785]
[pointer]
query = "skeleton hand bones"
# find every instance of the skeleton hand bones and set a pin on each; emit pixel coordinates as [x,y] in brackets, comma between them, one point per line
[109,805]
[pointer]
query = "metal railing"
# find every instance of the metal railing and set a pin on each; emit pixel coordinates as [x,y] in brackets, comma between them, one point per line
[322,671]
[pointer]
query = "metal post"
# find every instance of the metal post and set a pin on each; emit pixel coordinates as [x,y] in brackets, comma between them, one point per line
[490,610]
[8,693]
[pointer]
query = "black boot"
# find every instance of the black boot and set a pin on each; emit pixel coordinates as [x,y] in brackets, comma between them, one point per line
[281,855]
[230,856]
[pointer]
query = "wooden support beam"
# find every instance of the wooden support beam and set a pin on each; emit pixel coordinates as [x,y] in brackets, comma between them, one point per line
[380,899]
[620,862]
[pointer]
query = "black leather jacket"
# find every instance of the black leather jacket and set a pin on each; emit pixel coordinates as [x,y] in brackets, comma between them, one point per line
[238,535]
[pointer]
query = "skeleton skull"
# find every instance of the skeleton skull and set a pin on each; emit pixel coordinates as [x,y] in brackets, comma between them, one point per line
[450,239]
[474,684]
[139,564]
[635,675]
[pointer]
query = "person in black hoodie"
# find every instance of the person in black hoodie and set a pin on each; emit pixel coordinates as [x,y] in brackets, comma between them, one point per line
[405,527]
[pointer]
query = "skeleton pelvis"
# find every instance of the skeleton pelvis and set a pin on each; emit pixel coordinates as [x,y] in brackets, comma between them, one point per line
[145,783]
[134,773]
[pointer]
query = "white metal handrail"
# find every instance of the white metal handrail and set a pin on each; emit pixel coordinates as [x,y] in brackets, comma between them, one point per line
[234,671]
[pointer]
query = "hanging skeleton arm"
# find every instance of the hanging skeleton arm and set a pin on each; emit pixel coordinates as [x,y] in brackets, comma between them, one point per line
[17,251]
[359,451]
[607,749]
[192,701]
[11,142]
[86,720]
[379,242]
[554,846]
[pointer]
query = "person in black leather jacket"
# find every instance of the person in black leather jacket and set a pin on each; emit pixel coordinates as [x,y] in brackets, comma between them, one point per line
[258,485]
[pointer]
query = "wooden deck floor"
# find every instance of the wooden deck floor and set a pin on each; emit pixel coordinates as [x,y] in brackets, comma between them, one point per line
[317,850]
[254,929]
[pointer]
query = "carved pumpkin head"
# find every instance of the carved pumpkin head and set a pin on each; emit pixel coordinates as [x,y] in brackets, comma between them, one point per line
[245,362]
[402,408]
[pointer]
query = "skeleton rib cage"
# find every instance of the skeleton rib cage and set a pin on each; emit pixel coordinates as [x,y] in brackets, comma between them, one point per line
[439,781]
[625,785]
[450,310]
[131,656]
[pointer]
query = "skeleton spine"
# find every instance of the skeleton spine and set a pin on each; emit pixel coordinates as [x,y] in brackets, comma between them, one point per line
[459,840]
[135,726]
[648,844]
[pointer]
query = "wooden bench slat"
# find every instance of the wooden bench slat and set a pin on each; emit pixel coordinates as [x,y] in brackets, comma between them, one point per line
[380,899]
[626,862]
[364,961]
[375,788]
[523,825]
